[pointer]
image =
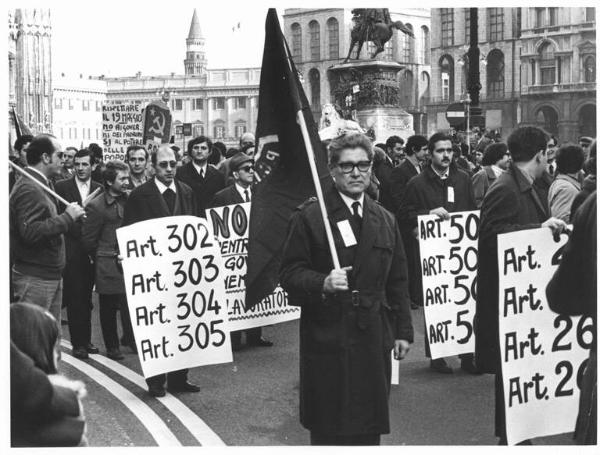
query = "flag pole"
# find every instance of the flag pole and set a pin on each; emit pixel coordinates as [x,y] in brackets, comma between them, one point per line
[315,175]
[37,182]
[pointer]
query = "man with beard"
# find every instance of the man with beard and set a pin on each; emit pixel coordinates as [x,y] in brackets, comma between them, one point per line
[78,275]
[439,190]
[204,180]
[159,197]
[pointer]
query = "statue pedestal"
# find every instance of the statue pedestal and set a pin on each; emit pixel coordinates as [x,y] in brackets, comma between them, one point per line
[368,91]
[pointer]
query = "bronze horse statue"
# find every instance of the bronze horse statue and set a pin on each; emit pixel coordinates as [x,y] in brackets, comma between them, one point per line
[378,33]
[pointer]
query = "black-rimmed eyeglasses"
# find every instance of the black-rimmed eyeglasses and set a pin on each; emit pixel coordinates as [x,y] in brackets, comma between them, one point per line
[348,167]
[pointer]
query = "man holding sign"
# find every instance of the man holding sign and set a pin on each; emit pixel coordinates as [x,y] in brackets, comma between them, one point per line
[513,203]
[439,190]
[160,197]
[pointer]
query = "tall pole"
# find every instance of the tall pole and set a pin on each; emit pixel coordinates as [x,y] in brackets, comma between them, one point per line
[473,82]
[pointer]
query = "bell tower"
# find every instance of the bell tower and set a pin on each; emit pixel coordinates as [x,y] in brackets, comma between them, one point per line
[195,58]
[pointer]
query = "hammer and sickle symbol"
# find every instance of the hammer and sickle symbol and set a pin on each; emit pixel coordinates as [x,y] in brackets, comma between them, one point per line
[158,127]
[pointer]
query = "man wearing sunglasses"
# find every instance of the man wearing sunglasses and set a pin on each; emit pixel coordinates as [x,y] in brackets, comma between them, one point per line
[352,316]
[242,168]
[204,179]
[159,197]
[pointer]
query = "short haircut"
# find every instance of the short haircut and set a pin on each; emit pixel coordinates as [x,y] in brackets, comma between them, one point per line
[230,152]
[349,141]
[21,141]
[222,148]
[493,153]
[381,145]
[109,174]
[40,144]
[569,159]
[198,140]
[393,140]
[133,148]
[414,142]
[436,137]
[157,149]
[96,151]
[526,142]
[71,148]
[83,153]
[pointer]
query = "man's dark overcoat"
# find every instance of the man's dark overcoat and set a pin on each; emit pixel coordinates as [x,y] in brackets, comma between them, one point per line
[345,346]
[227,196]
[204,188]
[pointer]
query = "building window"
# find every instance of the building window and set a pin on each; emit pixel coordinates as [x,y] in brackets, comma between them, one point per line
[315,89]
[239,102]
[85,105]
[425,46]
[540,17]
[57,103]
[177,104]
[74,133]
[547,64]
[589,68]
[333,33]
[496,24]
[97,134]
[467,25]
[218,103]
[447,73]
[98,106]
[552,16]
[198,130]
[495,74]
[314,31]
[447,26]
[590,14]
[297,41]
[70,104]
[219,132]
[239,130]
[407,46]
[198,104]
[89,133]
[407,89]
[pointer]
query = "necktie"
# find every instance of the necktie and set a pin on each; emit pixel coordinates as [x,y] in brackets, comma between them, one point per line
[201,173]
[551,169]
[247,196]
[356,218]
[169,197]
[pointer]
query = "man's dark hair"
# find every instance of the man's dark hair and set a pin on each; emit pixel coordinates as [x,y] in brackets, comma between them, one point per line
[525,142]
[109,174]
[393,140]
[414,143]
[569,159]
[493,153]
[436,137]
[347,141]
[39,145]
[381,145]
[133,148]
[83,153]
[590,165]
[246,147]
[230,152]
[221,147]
[21,141]
[96,151]
[198,140]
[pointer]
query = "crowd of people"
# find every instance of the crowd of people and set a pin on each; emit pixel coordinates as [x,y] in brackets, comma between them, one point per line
[354,313]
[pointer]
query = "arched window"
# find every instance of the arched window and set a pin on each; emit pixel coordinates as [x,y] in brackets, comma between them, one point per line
[495,74]
[547,118]
[297,41]
[589,68]
[547,64]
[407,46]
[447,74]
[425,46]
[314,31]
[314,79]
[333,33]
[407,89]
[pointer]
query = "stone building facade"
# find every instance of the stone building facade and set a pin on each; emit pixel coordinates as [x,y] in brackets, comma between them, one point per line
[537,68]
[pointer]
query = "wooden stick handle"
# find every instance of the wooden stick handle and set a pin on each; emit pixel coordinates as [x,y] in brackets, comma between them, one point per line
[37,182]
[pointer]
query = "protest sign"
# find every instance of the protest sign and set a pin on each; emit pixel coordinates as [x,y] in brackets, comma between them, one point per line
[449,269]
[543,354]
[230,225]
[156,125]
[121,127]
[175,292]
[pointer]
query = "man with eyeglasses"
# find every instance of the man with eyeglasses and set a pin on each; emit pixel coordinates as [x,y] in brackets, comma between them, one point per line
[352,316]
[439,190]
[137,160]
[204,179]
[159,197]
[242,168]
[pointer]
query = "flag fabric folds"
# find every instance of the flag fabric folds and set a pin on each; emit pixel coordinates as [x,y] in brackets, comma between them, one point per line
[282,167]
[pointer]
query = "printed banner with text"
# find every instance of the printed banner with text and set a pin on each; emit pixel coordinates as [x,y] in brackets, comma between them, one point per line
[121,127]
[449,269]
[230,225]
[175,292]
[543,354]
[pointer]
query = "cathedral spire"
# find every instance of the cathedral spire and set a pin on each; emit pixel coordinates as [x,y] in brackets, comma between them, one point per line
[195,30]
[195,59]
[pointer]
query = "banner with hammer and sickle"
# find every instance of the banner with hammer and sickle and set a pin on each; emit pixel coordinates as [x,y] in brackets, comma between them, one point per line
[157,124]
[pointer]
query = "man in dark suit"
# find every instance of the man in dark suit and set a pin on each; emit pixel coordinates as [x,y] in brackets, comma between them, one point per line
[242,168]
[78,276]
[352,316]
[416,155]
[204,180]
[157,198]
[513,203]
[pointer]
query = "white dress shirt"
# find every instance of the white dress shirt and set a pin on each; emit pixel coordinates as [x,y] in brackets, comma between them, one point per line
[162,187]
[349,201]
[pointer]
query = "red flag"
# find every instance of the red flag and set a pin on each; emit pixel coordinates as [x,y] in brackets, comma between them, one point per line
[282,166]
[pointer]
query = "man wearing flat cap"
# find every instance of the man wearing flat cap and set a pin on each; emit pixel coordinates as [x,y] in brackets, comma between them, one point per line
[585,142]
[240,191]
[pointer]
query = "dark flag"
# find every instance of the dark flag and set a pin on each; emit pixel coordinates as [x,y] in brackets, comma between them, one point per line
[282,166]
[20,127]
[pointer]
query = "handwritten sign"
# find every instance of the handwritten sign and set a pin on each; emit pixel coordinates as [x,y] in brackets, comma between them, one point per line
[230,225]
[543,354]
[121,127]
[449,269]
[175,292]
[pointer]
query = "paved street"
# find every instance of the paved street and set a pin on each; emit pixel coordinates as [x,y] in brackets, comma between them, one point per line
[254,400]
